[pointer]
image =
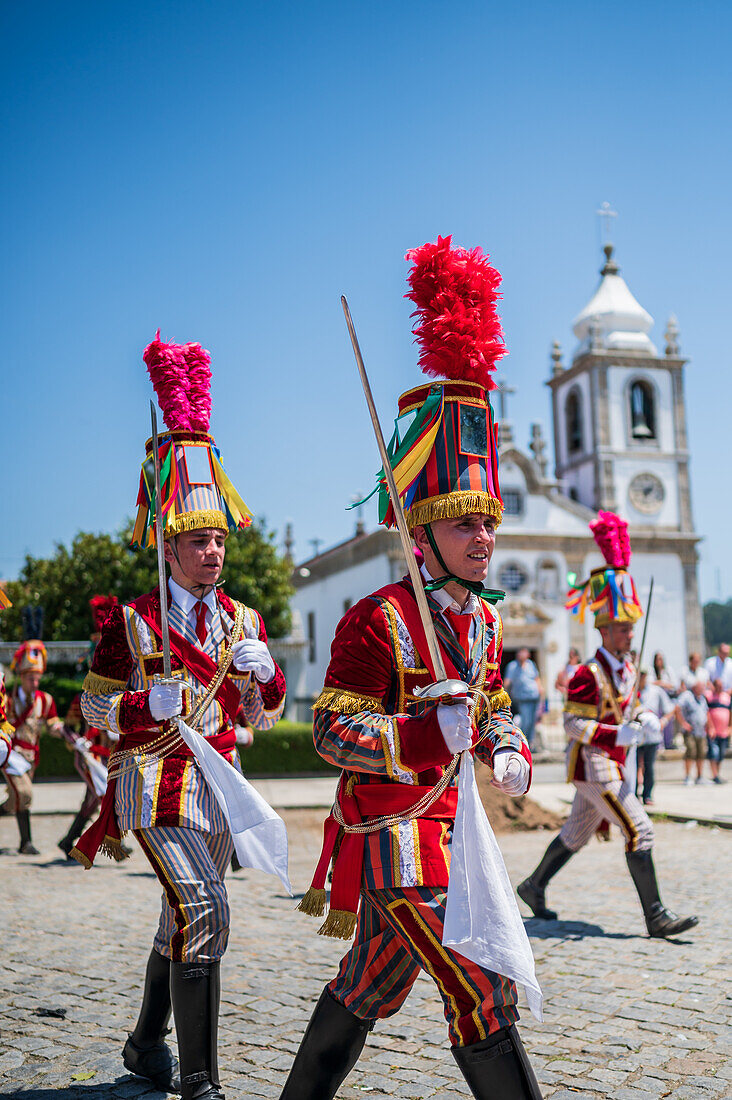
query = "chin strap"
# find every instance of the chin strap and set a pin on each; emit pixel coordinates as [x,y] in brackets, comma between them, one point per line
[490,595]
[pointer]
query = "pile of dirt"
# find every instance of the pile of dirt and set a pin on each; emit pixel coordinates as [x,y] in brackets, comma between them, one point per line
[508,814]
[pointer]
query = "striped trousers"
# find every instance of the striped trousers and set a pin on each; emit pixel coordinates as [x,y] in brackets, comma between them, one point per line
[605,795]
[399,933]
[190,864]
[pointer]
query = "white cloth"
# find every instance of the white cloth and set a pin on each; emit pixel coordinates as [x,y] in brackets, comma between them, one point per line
[16,764]
[627,734]
[259,834]
[719,669]
[482,919]
[96,769]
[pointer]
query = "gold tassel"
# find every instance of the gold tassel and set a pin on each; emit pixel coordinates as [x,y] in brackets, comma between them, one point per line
[313,903]
[347,702]
[102,685]
[80,858]
[499,699]
[113,849]
[340,924]
[452,506]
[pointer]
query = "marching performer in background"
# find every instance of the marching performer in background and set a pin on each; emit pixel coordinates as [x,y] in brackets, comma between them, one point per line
[31,712]
[602,719]
[220,663]
[398,750]
[90,745]
[6,729]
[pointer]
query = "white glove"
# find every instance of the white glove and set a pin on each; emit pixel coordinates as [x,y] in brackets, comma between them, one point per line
[455,725]
[510,772]
[244,736]
[627,734]
[251,655]
[4,751]
[649,722]
[82,745]
[166,700]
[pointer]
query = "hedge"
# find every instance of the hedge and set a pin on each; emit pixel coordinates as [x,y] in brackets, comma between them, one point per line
[287,749]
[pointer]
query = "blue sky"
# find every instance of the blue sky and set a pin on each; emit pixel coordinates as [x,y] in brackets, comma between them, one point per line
[227,170]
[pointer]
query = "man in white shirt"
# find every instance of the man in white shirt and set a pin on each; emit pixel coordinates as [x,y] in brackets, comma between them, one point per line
[720,667]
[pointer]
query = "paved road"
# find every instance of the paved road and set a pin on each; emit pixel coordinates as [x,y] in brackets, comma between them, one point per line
[626,1017]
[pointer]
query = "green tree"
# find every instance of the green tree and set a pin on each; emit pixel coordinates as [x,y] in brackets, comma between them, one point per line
[718,622]
[106,564]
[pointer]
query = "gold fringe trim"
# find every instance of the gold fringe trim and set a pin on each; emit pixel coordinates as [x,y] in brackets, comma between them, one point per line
[582,710]
[452,506]
[196,521]
[6,727]
[80,858]
[313,904]
[346,702]
[339,924]
[102,685]
[113,849]
[499,699]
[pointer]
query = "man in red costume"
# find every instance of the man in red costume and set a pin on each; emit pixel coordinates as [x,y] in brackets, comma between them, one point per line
[31,712]
[602,718]
[6,729]
[220,664]
[397,749]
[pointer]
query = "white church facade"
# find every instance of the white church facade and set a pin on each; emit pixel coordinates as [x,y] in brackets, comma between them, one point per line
[620,444]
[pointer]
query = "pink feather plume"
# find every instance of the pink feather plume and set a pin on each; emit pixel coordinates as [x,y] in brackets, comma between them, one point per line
[611,535]
[181,377]
[459,330]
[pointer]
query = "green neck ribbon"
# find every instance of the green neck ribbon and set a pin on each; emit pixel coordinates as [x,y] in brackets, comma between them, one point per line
[490,595]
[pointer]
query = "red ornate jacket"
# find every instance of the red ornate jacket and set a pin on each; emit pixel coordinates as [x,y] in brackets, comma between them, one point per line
[594,709]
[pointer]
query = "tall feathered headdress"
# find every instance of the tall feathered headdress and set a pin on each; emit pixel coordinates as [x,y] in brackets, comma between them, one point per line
[456,292]
[443,451]
[610,590]
[195,489]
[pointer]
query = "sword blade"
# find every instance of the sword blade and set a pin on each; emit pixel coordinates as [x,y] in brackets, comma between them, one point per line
[162,578]
[405,537]
[634,697]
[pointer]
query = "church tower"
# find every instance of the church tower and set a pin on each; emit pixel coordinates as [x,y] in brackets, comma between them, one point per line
[620,425]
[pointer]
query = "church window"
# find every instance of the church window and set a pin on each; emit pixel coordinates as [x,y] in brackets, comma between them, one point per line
[547,581]
[642,411]
[573,411]
[512,577]
[513,502]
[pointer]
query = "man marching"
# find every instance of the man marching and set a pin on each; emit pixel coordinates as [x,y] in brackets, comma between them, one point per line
[6,729]
[220,662]
[31,712]
[602,719]
[397,751]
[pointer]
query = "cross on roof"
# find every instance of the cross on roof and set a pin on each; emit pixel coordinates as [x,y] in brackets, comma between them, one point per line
[503,389]
[605,213]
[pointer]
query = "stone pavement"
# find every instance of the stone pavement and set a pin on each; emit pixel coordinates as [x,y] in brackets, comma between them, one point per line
[626,1017]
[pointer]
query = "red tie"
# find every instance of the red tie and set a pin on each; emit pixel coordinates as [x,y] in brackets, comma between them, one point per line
[461,624]
[201,628]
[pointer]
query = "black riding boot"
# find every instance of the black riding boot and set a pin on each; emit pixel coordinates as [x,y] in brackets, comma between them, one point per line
[329,1050]
[660,921]
[27,847]
[66,843]
[195,989]
[146,1053]
[531,890]
[498,1068]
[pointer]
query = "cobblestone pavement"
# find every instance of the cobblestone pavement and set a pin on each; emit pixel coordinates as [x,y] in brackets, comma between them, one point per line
[626,1017]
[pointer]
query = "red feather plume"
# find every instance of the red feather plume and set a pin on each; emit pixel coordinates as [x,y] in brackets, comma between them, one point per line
[459,330]
[100,608]
[181,377]
[610,532]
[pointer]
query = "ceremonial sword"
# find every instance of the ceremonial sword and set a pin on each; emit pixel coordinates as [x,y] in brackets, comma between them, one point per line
[634,697]
[162,578]
[406,541]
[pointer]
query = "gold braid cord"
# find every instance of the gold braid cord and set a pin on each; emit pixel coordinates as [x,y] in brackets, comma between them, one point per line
[124,760]
[425,802]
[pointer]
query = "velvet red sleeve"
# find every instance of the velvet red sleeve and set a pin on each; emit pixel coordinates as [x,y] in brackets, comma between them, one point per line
[112,658]
[583,691]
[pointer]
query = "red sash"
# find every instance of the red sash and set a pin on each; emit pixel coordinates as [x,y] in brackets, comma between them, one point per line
[195,660]
[105,832]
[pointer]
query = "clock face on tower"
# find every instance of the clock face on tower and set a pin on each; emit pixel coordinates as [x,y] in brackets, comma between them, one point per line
[646,493]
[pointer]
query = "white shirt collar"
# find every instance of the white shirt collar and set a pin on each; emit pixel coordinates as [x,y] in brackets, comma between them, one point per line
[446,602]
[187,601]
[615,663]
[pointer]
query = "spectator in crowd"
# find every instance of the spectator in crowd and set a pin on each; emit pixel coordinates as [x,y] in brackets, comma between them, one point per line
[720,667]
[654,699]
[692,712]
[664,676]
[523,684]
[565,675]
[719,703]
[694,671]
